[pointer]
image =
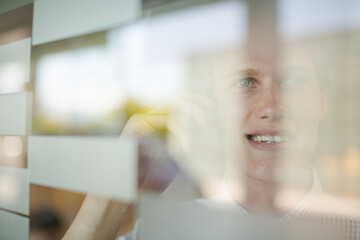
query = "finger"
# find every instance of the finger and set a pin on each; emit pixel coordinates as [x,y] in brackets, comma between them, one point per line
[202,114]
[198,98]
[145,124]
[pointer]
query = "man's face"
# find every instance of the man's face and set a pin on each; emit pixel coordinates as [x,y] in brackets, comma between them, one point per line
[272,117]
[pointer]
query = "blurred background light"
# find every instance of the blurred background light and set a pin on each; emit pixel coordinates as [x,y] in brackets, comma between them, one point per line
[13,146]
[300,19]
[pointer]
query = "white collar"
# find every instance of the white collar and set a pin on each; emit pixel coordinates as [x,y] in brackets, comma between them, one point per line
[305,206]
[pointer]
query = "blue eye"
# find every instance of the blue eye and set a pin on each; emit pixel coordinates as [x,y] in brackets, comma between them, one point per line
[244,83]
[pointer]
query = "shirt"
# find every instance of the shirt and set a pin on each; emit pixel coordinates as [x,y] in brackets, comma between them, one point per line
[319,208]
[316,207]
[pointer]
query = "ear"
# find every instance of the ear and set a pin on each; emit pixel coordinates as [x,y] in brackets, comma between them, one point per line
[324,102]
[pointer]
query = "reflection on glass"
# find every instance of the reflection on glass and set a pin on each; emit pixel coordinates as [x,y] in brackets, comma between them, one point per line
[14,188]
[256,129]
[16,24]
[14,65]
[9,188]
[97,89]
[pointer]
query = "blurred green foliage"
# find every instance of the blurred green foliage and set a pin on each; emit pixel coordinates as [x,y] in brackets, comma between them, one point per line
[111,123]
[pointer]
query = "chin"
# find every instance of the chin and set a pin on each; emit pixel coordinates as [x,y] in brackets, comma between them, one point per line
[267,173]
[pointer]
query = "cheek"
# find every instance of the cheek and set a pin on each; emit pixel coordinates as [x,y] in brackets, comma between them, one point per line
[305,114]
[233,110]
[267,168]
[305,107]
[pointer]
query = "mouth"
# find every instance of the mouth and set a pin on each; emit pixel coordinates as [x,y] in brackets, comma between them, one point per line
[269,142]
[269,139]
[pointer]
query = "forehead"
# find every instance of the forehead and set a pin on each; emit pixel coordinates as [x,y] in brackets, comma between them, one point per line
[286,62]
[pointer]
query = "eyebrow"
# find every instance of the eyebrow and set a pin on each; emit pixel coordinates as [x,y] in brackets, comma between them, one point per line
[305,71]
[248,72]
[252,72]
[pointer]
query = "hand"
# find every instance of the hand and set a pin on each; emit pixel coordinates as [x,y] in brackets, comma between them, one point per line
[157,167]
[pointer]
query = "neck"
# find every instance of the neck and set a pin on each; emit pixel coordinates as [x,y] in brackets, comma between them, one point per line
[268,197]
[260,196]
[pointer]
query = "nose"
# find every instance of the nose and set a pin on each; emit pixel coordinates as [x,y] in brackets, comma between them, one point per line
[270,104]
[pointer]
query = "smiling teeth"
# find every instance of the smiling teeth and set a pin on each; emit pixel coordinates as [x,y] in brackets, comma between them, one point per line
[268,139]
[277,139]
